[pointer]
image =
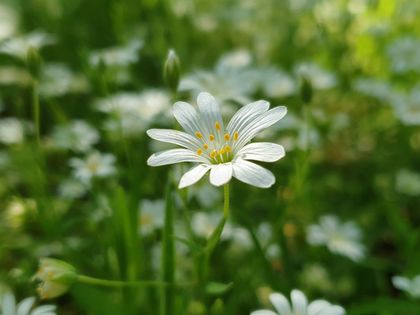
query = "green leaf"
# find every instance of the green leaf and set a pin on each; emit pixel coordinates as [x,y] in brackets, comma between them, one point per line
[218,288]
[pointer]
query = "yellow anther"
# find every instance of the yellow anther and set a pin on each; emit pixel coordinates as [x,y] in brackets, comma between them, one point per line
[198,134]
[199,151]
[217,126]
[205,146]
[227,137]
[221,152]
[211,137]
[213,154]
[227,149]
[235,135]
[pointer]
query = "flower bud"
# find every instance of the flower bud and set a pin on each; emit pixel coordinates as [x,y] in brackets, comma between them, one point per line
[55,277]
[306,90]
[34,62]
[171,71]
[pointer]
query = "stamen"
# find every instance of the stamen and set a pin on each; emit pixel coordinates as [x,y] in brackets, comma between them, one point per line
[217,126]
[227,137]
[198,134]
[213,154]
[211,137]
[199,151]
[227,149]
[205,146]
[235,136]
[221,152]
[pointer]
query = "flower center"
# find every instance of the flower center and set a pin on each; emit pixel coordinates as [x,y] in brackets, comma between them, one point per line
[217,146]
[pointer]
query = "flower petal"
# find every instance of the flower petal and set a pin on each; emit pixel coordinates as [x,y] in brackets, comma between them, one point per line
[262,151]
[25,306]
[220,174]
[174,156]
[401,283]
[299,302]
[317,307]
[180,138]
[209,112]
[263,312]
[247,114]
[193,175]
[253,174]
[280,303]
[187,117]
[334,310]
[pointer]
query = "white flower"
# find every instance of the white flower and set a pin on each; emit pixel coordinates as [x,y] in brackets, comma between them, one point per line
[95,164]
[58,80]
[408,182]
[275,82]
[203,224]
[8,306]
[340,238]
[411,286]
[407,106]
[11,75]
[8,21]
[117,56]
[12,130]
[71,189]
[76,135]
[404,56]
[151,215]
[19,46]
[299,306]
[224,151]
[376,88]
[320,79]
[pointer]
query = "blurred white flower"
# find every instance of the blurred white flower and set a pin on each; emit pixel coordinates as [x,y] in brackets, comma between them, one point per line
[234,60]
[12,130]
[299,306]
[207,195]
[316,276]
[225,152]
[376,88]
[132,113]
[407,106]
[19,45]
[408,182]
[95,164]
[204,223]
[76,135]
[71,189]
[117,56]
[9,21]
[11,75]
[240,239]
[319,78]
[403,54]
[27,306]
[411,286]
[58,80]
[151,215]
[340,238]
[275,82]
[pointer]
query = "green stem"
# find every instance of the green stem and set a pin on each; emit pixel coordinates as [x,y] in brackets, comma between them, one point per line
[119,284]
[226,203]
[36,111]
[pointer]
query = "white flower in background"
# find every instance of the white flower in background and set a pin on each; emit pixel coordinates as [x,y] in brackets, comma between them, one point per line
[340,238]
[320,78]
[11,75]
[12,130]
[376,88]
[19,46]
[275,82]
[299,306]
[315,276]
[233,60]
[95,164]
[203,224]
[58,80]
[131,112]
[27,306]
[224,151]
[207,195]
[76,135]
[408,182]
[240,239]
[407,106]
[117,56]
[403,54]
[411,286]
[9,21]
[71,189]
[151,215]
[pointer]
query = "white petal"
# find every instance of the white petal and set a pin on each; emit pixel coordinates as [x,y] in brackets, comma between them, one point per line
[253,174]
[299,302]
[209,111]
[44,310]
[187,117]
[25,306]
[220,174]
[263,312]
[334,310]
[193,175]
[401,283]
[8,303]
[262,151]
[280,303]
[317,307]
[246,115]
[175,137]
[262,122]
[174,156]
